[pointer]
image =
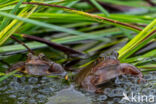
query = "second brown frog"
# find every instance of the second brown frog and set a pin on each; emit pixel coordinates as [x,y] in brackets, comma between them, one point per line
[102,70]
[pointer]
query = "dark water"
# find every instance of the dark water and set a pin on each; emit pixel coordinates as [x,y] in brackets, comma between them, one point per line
[40,90]
[33,90]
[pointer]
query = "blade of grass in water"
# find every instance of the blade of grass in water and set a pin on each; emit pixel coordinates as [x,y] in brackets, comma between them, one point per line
[8,75]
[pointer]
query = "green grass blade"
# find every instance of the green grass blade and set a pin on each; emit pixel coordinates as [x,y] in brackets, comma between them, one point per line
[139,41]
[6,20]
[46,25]
[105,12]
[91,16]
[15,24]
[8,75]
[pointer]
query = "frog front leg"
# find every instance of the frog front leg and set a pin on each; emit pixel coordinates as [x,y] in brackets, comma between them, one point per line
[88,85]
[130,69]
[56,68]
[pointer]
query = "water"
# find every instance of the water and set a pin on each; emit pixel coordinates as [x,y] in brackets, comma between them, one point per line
[39,90]
[69,96]
[29,90]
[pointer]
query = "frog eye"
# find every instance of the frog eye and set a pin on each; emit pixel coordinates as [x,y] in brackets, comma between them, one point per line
[115,54]
[99,59]
[41,55]
[30,55]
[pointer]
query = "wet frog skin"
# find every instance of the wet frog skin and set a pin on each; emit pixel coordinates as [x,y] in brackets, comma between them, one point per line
[103,70]
[38,65]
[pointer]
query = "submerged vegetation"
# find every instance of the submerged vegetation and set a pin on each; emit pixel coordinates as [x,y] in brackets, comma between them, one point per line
[75,33]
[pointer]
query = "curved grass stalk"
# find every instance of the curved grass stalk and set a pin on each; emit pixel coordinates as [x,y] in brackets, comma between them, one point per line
[91,16]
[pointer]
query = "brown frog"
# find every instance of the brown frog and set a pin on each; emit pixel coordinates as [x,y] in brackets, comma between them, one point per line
[38,65]
[103,70]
